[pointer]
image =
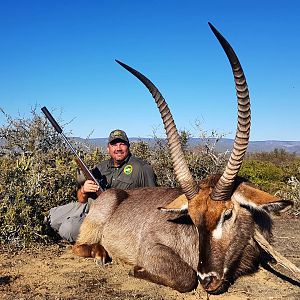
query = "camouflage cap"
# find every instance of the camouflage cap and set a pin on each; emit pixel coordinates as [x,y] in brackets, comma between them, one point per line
[118,134]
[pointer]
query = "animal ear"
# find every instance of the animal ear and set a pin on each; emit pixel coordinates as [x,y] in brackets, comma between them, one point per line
[180,204]
[252,197]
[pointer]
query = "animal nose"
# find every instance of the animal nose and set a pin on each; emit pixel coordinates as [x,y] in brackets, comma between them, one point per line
[206,281]
[209,281]
[212,284]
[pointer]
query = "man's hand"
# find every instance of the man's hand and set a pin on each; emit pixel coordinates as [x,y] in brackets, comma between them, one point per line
[89,186]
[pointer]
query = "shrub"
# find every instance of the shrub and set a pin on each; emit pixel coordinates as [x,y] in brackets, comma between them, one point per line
[276,172]
[202,160]
[291,191]
[37,173]
[263,174]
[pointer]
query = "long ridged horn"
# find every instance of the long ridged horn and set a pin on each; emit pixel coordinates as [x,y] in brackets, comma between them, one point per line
[223,188]
[182,172]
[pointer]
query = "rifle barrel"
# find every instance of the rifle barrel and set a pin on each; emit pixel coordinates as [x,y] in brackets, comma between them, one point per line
[59,130]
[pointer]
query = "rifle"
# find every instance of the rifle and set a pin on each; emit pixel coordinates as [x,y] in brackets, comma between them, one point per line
[87,173]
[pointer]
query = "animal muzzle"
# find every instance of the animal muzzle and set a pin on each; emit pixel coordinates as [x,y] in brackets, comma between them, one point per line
[212,284]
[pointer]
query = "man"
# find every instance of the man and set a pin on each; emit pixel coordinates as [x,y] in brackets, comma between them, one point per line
[122,171]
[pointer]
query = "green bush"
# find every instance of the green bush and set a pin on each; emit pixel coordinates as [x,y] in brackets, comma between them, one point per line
[263,174]
[37,173]
[291,191]
[276,172]
[202,161]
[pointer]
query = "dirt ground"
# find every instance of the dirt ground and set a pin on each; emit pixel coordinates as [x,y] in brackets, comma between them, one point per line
[53,272]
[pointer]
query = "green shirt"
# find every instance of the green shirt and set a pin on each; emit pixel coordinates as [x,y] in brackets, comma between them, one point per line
[133,173]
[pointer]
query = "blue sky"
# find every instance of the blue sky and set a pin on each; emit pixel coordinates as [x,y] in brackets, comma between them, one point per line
[61,54]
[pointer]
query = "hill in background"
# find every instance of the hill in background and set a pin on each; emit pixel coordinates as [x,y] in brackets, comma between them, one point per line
[222,145]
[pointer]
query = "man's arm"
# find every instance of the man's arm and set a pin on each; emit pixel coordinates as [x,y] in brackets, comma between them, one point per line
[82,197]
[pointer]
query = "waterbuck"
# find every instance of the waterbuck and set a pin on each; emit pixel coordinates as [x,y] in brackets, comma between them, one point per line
[202,232]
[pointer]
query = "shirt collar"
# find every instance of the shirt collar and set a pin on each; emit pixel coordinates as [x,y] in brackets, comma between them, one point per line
[111,162]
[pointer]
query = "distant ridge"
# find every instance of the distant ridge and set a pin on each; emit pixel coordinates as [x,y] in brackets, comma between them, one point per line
[222,145]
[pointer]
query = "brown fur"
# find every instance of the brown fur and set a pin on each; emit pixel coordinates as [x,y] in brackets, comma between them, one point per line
[94,250]
[215,237]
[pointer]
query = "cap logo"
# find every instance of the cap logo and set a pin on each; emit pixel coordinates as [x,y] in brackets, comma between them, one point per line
[128,169]
[117,133]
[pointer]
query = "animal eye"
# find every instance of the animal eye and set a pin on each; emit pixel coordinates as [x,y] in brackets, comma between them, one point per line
[227,214]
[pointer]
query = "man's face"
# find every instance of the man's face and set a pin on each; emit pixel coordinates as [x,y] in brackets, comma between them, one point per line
[118,150]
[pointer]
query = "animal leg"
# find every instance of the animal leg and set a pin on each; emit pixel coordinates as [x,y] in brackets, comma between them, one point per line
[95,250]
[161,265]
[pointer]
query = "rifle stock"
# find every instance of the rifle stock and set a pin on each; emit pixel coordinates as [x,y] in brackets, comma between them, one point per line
[87,173]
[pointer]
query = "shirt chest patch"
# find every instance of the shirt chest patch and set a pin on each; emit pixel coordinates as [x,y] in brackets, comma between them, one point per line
[128,169]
